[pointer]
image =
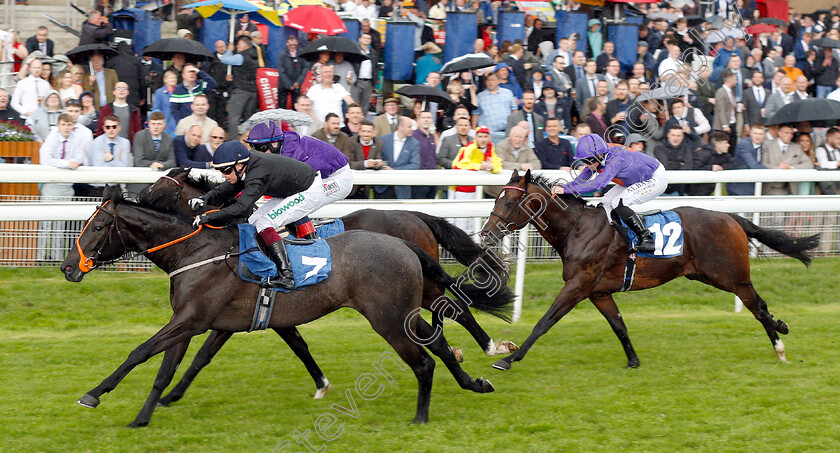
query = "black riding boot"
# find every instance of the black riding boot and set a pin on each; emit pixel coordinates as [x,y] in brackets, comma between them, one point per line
[633,220]
[277,253]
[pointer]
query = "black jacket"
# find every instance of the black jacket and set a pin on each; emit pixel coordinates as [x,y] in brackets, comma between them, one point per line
[704,157]
[290,70]
[826,75]
[245,75]
[32,45]
[675,158]
[95,34]
[266,174]
[129,70]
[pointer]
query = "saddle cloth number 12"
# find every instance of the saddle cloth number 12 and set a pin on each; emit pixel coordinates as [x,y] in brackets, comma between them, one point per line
[667,236]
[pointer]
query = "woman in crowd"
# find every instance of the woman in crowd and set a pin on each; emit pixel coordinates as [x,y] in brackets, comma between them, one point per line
[89,116]
[43,119]
[65,87]
[161,104]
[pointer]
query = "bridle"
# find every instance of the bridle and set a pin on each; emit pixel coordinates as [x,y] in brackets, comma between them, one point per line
[516,226]
[180,188]
[87,264]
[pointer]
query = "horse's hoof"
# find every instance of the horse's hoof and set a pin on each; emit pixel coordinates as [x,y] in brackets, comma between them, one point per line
[782,327]
[459,355]
[484,385]
[631,365]
[502,364]
[319,393]
[138,424]
[509,345]
[89,401]
[420,420]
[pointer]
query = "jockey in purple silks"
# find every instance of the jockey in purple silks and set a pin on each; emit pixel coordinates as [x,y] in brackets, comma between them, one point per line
[324,158]
[638,178]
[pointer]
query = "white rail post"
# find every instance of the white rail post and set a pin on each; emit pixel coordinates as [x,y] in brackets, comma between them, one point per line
[521,257]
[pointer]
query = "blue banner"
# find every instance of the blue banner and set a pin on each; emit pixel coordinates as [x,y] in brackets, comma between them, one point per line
[399,51]
[461,33]
[511,27]
[625,37]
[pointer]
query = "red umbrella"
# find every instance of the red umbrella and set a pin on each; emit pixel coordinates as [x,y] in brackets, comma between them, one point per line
[760,28]
[314,19]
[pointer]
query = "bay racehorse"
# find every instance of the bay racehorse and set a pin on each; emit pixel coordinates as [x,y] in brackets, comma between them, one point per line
[379,276]
[171,192]
[715,252]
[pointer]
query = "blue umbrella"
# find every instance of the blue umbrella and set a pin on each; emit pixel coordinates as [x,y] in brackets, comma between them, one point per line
[233,7]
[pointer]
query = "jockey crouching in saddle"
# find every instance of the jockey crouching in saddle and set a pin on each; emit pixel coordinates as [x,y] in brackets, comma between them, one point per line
[638,177]
[296,190]
[332,164]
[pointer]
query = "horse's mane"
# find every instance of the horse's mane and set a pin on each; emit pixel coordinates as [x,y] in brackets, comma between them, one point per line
[203,183]
[546,183]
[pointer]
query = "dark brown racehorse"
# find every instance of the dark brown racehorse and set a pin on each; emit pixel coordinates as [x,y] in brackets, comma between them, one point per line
[379,276]
[171,193]
[715,252]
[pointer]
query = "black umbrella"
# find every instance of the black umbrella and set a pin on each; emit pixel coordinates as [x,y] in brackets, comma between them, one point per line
[425,93]
[351,50]
[166,48]
[81,54]
[826,43]
[772,21]
[467,62]
[662,93]
[819,111]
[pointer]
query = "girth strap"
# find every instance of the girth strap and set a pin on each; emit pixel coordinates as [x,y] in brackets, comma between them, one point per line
[262,312]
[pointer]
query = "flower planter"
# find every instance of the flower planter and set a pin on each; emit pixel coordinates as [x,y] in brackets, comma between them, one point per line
[18,241]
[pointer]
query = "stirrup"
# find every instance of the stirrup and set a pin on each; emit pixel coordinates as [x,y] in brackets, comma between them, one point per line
[279,282]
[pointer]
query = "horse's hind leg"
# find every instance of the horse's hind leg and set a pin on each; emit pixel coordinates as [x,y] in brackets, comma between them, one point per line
[758,307]
[606,305]
[208,350]
[171,359]
[440,348]
[296,343]
[420,362]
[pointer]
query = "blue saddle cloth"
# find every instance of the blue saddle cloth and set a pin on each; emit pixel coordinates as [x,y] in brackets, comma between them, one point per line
[310,263]
[667,231]
[328,229]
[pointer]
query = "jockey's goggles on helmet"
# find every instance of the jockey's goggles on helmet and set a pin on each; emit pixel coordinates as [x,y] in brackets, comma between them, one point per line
[266,147]
[226,170]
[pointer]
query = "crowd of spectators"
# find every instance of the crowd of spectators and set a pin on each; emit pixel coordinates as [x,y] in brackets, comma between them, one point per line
[525,112]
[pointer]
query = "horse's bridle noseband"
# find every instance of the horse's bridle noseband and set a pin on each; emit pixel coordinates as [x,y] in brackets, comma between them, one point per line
[87,264]
[503,218]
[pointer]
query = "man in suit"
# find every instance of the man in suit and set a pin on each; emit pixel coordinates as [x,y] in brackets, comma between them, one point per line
[587,86]
[101,82]
[781,153]
[365,154]
[152,148]
[576,70]
[367,71]
[536,122]
[778,98]
[331,133]
[387,122]
[754,99]
[515,153]
[800,50]
[748,155]
[560,79]
[781,38]
[514,60]
[725,106]
[451,145]
[291,72]
[400,151]
[41,42]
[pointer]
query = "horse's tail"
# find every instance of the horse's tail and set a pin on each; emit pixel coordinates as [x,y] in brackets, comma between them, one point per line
[794,247]
[462,247]
[496,300]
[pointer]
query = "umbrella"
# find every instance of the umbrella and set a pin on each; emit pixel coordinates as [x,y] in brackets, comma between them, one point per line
[467,62]
[772,21]
[314,19]
[722,35]
[290,116]
[166,48]
[351,50]
[81,55]
[667,92]
[716,21]
[425,93]
[233,7]
[667,16]
[819,110]
[826,43]
[760,28]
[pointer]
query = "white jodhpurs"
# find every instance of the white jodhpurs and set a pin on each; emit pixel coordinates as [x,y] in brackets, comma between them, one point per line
[637,193]
[279,212]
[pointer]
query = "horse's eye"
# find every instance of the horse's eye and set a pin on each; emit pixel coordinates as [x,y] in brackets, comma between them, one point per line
[509,203]
[98,228]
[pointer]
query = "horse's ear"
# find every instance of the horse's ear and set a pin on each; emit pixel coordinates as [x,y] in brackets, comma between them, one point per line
[106,192]
[527,176]
[515,175]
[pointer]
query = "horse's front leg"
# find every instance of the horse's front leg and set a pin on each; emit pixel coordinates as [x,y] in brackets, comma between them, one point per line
[181,327]
[572,293]
[171,359]
[208,350]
